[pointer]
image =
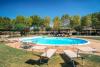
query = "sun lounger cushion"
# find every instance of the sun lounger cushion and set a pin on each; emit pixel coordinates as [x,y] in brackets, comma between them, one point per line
[39,47]
[49,53]
[70,53]
[86,49]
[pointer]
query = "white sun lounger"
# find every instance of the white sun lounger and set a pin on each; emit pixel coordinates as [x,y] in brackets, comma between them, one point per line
[49,53]
[71,54]
[86,49]
[39,47]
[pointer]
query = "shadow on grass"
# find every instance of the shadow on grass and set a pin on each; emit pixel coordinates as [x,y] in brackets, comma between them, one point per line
[67,61]
[37,62]
[32,62]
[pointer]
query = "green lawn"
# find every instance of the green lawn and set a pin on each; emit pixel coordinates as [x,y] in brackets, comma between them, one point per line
[11,57]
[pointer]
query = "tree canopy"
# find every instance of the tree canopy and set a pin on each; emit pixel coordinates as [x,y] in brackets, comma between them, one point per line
[75,21]
[56,25]
[37,22]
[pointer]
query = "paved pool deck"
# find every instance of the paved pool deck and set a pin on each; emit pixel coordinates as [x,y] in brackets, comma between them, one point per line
[93,43]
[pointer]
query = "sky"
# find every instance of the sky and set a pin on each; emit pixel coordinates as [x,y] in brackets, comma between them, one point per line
[52,8]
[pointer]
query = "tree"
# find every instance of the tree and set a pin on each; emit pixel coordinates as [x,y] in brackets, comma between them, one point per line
[64,17]
[65,21]
[56,25]
[13,23]
[96,20]
[5,23]
[86,21]
[28,21]
[20,19]
[21,23]
[36,20]
[47,21]
[75,21]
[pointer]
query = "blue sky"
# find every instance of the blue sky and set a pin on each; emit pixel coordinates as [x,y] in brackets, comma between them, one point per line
[52,8]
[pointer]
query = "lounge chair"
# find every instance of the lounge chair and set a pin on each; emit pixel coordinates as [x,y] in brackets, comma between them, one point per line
[38,47]
[47,55]
[71,55]
[25,45]
[86,49]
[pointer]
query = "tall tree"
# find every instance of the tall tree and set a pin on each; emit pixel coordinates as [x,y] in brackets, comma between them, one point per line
[75,21]
[47,21]
[28,21]
[56,24]
[64,17]
[86,21]
[96,20]
[13,23]
[36,20]
[5,23]
[20,23]
[65,21]
[20,19]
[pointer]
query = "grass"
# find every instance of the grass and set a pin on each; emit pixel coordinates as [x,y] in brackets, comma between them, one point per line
[90,60]
[11,57]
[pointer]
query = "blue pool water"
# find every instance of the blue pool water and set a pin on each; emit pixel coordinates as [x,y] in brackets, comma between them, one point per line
[55,41]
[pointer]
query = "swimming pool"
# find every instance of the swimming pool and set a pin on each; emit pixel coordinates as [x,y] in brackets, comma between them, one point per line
[55,41]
